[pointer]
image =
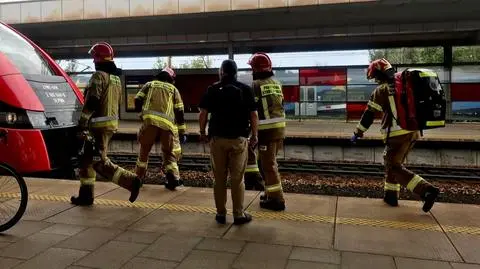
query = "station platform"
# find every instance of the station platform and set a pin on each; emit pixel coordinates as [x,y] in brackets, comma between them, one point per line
[165,229]
[455,132]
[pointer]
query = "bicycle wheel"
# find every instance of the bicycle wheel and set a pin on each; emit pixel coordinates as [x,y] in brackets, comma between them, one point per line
[13,197]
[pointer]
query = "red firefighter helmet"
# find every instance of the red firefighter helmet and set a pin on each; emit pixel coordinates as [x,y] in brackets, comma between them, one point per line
[379,65]
[170,72]
[101,52]
[260,62]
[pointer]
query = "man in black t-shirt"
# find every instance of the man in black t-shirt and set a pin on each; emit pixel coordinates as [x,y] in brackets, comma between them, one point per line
[233,116]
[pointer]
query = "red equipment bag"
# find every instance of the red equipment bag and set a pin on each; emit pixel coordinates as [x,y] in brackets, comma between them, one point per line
[419,100]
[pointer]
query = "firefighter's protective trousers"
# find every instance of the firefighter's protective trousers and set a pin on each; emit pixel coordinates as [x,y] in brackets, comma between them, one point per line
[147,137]
[229,155]
[93,162]
[396,150]
[268,158]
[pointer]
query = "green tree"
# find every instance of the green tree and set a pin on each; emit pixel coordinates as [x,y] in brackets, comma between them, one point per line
[425,55]
[198,62]
[159,63]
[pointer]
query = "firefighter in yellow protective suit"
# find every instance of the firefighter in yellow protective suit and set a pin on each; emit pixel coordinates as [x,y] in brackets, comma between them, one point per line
[271,129]
[97,124]
[398,142]
[163,118]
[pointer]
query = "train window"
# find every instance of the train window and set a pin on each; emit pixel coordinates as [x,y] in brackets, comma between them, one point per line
[22,54]
[358,75]
[287,77]
[317,76]
[359,93]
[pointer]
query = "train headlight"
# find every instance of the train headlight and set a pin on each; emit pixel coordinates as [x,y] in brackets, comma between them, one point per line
[10,118]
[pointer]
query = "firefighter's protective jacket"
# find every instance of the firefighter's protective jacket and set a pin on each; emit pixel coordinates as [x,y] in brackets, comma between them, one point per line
[271,114]
[162,106]
[382,100]
[102,98]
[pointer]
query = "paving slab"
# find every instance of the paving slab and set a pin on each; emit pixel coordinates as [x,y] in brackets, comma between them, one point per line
[8,263]
[315,255]
[407,211]
[90,239]
[266,256]
[100,216]
[197,224]
[64,229]
[171,247]
[465,266]
[54,258]
[204,259]
[61,187]
[112,255]
[305,234]
[32,245]
[292,264]
[138,237]
[147,263]
[23,229]
[222,245]
[456,214]
[366,261]
[304,204]
[408,263]
[395,242]
[41,210]
[204,197]
[468,246]
[149,193]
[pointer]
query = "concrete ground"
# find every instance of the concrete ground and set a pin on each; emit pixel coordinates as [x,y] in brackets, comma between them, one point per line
[166,229]
[342,129]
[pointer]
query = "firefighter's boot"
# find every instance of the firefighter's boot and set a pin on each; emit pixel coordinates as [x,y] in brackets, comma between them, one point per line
[429,197]
[132,185]
[272,204]
[85,196]
[391,198]
[172,182]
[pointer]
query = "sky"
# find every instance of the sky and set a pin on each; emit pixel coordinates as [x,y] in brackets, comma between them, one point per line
[298,59]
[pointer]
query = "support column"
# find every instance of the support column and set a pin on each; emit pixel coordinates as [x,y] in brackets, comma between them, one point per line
[230,50]
[448,64]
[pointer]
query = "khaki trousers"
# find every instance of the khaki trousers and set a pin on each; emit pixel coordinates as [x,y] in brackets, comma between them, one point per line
[396,175]
[229,156]
[93,162]
[268,160]
[147,136]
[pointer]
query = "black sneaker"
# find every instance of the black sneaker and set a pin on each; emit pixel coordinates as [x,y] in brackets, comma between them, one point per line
[431,194]
[221,219]
[242,220]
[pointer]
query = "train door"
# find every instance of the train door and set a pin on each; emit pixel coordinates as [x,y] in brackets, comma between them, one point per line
[308,101]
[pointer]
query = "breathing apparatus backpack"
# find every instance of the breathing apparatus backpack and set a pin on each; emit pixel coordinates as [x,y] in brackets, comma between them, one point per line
[419,100]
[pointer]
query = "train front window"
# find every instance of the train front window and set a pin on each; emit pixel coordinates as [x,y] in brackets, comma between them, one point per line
[22,54]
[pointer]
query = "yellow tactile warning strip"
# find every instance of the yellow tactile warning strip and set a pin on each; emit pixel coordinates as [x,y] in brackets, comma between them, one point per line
[266,215]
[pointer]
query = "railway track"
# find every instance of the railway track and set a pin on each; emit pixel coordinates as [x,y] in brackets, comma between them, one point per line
[339,168]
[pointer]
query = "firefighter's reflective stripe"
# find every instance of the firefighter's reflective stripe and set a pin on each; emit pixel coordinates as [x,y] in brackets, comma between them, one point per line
[141,164]
[182,127]
[435,123]
[414,182]
[361,128]
[395,130]
[266,90]
[178,106]
[271,123]
[140,95]
[273,188]
[116,176]
[392,187]
[375,106]
[252,168]
[103,119]
[171,167]
[159,118]
[177,148]
[87,180]
[426,73]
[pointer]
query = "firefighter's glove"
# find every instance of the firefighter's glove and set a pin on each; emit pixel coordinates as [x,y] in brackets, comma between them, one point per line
[183,139]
